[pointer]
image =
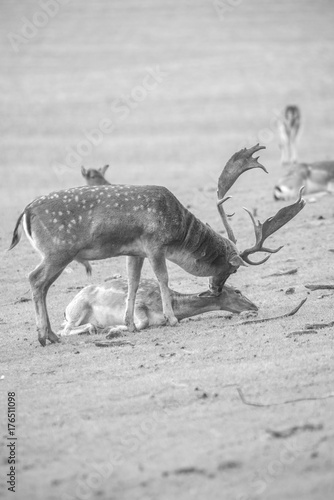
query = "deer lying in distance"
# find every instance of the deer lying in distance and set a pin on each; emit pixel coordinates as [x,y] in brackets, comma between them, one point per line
[98,308]
[93,223]
[317,177]
[95,177]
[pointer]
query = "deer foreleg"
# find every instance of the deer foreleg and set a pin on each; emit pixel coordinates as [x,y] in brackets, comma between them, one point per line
[41,279]
[158,263]
[134,267]
[87,328]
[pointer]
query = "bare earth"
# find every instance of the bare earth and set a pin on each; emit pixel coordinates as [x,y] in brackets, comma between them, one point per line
[170,416]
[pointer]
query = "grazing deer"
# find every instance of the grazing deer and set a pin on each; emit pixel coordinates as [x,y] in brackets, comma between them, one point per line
[317,177]
[98,222]
[97,307]
[95,177]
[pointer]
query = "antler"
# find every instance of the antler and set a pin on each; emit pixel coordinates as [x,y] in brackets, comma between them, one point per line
[270,226]
[240,162]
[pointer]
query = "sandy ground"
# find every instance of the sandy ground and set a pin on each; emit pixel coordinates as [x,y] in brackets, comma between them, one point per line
[207,409]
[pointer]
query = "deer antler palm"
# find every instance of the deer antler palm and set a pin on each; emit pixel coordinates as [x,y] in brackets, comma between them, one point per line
[239,163]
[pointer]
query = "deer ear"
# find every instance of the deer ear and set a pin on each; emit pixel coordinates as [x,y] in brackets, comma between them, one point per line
[236,261]
[104,169]
[83,171]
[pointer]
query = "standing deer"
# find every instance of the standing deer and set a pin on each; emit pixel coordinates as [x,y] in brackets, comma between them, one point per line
[98,222]
[317,177]
[95,177]
[288,129]
[97,308]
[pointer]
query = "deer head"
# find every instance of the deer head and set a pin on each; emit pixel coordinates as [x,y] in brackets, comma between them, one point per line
[239,163]
[95,177]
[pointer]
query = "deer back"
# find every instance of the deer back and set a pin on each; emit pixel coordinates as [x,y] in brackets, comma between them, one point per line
[106,221]
[316,177]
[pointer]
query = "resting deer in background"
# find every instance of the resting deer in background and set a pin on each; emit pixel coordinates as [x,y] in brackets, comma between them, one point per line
[98,308]
[95,177]
[98,222]
[317,177]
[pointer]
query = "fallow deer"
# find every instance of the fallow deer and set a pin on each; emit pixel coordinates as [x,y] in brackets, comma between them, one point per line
[95,177]
[97,308]
[98,222]
[317,177]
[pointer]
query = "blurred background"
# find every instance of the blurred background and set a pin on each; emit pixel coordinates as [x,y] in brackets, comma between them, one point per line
[179,86]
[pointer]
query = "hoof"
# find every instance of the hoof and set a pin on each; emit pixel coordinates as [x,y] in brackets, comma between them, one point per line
[115,332]
[172,321]
[53,338]
[42,341]
[131,327]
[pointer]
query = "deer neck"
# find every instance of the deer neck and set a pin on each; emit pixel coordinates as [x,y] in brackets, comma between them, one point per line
[201,251]
[188,305]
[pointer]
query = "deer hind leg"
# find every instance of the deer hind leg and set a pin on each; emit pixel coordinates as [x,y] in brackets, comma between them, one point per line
[41,279]
[134,267]
[158,263]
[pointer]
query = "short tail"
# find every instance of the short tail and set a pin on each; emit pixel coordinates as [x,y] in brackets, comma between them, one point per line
[17,232]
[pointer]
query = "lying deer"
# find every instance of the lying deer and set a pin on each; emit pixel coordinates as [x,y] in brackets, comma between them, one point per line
[317,177]
[95,177]
[97,308]
[98,222]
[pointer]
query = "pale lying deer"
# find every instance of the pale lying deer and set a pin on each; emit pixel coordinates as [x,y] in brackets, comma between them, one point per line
[317,177]
[95,177]
[85,223]
[98,308]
